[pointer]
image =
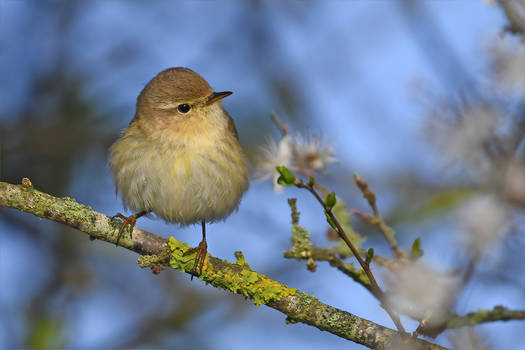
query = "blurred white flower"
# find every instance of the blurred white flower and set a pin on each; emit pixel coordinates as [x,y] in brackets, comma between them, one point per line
[312,153]
[303,154]
[513,182]
[466,141]
[509,64]
[274,154]
[466,338]
[422,291]
[483,220]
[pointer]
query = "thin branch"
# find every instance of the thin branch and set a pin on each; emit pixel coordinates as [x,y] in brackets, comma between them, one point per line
[498,313]
[514,12]
[375,289]
[376,220]
[236,277]
[330,256]
[283,128]
[318,254]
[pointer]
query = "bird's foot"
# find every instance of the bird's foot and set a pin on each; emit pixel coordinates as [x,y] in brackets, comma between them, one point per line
[202,250]
[127,221]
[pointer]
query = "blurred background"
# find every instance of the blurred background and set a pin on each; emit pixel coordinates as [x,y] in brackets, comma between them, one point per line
[424,99]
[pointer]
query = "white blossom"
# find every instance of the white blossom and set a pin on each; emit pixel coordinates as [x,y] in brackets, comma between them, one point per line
[483,221]
[312,153]
[304,154]
[513,182]
[466,338]
[274,154]
[466,141]
[422,291]
[509,64]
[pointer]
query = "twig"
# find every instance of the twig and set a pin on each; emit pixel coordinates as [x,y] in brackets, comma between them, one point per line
[420,328]
[283,128]
[376,291]
[318,254]
[376,220]
[498,313]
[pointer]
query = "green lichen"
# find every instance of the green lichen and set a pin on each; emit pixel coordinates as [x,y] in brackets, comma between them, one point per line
[248,283]
[308,299]
[305,306]
[498,313]
[302,245]
[182,258]
[150,260]
[237,278]
[301,239]
[340,210]
[311,265]
[249,276]
[290,320]
[333,319]
[240,259]
[293,206]
[357,273]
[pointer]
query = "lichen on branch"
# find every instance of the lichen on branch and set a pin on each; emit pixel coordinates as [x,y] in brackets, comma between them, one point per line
[237,277]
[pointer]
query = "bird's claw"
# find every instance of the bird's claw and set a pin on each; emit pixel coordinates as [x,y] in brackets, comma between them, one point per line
[202,250]
[126,221]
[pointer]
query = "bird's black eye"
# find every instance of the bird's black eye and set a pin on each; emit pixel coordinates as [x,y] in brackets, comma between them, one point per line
[184,108]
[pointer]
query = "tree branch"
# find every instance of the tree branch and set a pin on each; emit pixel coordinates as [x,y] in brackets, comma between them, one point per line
[236,277]
[498,313]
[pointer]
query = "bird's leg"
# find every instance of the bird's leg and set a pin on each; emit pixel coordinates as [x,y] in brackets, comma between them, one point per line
[202,250]
[128,221]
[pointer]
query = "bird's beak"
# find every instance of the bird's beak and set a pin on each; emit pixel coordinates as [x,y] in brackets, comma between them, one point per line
[216,96]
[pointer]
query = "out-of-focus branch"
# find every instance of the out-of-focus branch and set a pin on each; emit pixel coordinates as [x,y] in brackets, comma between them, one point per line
[237,277]
[376,220]
[498,313]
[515,12]
[283,128]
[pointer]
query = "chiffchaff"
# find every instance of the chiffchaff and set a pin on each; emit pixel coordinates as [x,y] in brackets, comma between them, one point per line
[180,156]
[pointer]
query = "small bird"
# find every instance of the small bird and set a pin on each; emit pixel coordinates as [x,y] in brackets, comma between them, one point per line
[180,156]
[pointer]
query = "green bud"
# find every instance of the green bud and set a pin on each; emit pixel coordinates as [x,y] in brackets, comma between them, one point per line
[286,177]
[330,221]
[369,255]
[416,252]
[330,200]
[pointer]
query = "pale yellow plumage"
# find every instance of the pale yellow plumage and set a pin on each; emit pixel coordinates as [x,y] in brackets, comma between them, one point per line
[195,173]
